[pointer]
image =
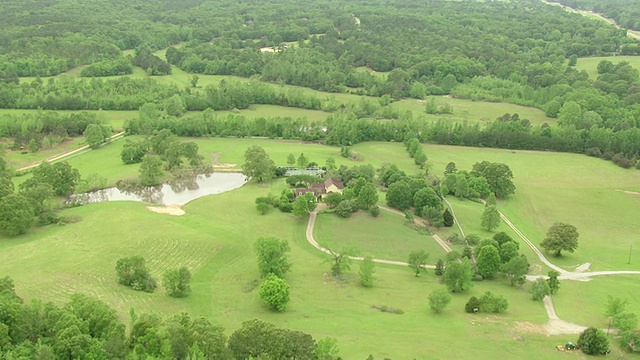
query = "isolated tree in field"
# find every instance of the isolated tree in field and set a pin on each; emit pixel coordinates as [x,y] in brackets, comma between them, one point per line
[457,276]
[272,256]
[274,291]
[490,218]
[554,283]
[291,160]
[368,196]
[340,262]
[515,270]
[498,175]
[302,161]
[438,300]
[193,81]
[96,135]
[151,170]
[258,165]
[488,261]
[447,218]
[417,261]
[561,237]
[593,341]
[327,349]
[367,269]
[132,271]
[176,282]
[399,195]
[17,214]
[539,289]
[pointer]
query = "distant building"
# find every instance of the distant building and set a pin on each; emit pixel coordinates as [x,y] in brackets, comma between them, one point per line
[332,185]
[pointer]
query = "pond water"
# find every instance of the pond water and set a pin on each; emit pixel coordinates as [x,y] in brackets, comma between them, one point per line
[176,192]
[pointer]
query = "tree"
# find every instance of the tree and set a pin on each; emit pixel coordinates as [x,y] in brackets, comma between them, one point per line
[457,276]
[417,261]
[450,169]
[438,300]
[447,218]
[433,215]
[258,165]
[462,186]
[96,135]
[151,170]
[593,341]
[367,269]
[498,175]
[16,214]
[272,256]
[340,262]
[508,251]
[33,146]
[327,349]
[426,197]
[479,187]
[193,80]
[302,161]
[515,269]
[304,204]
[333,199]
[488,261]
[61,176]
[439,270]
[330,164]
[493,304]
[176,282]
[132,271]
[399,195]
[539,289]
[554,283]
[490,218]
[291,160]
[275,292]
[560,237]
[368,196]
[263,208]
[472,306]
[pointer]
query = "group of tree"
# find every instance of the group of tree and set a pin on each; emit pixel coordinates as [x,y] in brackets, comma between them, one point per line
[625,322]
[360,194]
[273,265]
[416,151]
[86,327]
[488,302]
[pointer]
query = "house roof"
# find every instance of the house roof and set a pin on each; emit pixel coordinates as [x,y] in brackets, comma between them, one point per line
[333,181]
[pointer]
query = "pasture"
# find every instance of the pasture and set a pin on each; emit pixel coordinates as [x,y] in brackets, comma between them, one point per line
[590,64]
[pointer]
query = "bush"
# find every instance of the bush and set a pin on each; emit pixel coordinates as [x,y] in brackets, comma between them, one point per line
[447,218]
[594,151]
[176,282]
[346,208]
[473,305]
[133,272]
[473,239]
[622,161]
[374,210]
[593,341]
[493,304]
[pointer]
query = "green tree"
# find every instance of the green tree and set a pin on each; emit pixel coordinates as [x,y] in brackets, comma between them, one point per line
[515,269]
[493,304]
[291,160]
[327,349]
[193,80]
[61,176]
[274,291]
[302,161]
[457,276]
[258,165]
[490,218]
[439,271]
[462,186]
[438,300]
[132,271]
[333,199]
[340,262]
[539,289]
[33,146]
[472,306]
[17,214]
[593,341]
[399,195]
[151,170]
[508,251]
[488,261]
[176,282]
[450,169]
[417,261]
[447,218]
[426,197]
[96,135]
[570,114]
[367,269]
[554,283]
[367,197]
[498,175]
[272,256]
[263,208]
[560,237]
[304,204]
[330,164]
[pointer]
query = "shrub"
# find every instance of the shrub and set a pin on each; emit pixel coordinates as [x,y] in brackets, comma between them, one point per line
[473,305]
[492,303]
[346,208]
[133,272]
[622,161]
[447,218]
[594,151]
[374,210]
[593,341]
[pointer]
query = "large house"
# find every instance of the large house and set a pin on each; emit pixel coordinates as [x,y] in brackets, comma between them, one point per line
[332,185]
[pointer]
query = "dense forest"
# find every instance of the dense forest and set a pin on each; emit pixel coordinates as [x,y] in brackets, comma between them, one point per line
[625,13]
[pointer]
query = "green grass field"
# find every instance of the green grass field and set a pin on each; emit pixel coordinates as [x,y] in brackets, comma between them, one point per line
[215,240]
[590,64]
[473,111]
[388,236]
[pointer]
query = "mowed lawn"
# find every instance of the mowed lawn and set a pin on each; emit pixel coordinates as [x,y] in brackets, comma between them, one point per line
[590,64]
[388,236]
[473,111]
[214,239]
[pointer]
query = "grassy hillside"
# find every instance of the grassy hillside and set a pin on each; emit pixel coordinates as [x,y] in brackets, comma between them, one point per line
[590,64]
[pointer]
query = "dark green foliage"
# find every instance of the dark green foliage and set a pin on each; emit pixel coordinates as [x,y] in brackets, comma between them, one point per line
[539,289]
[151,172]
[502,237]
[498,175]
[346,208]
[488,261]
[554,283]
[258,165]
[516,269]
[17,214]
[368,196]
[96,135]
[439,270]
[257,339]
[374,210]
[302,180]
[593,341]
[493,304]
[560,237]
[457,276]
[133,151]
[61,176]
[472,306]
[133,272]
[333,199]
[272,256]
[399,196]
[176,282]
[490,218]
[438,300]
[447,218]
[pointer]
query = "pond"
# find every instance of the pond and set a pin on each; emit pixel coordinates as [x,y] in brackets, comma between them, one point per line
[176,192]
